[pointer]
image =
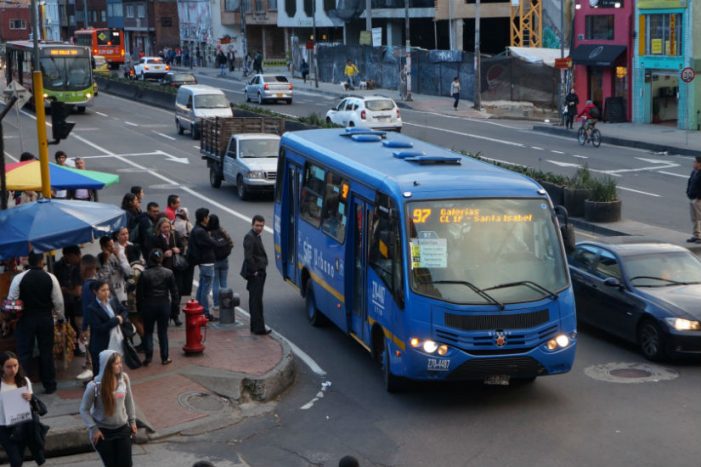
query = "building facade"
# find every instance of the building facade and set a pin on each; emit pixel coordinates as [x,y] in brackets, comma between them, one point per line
[50,20]
[603,56]
[195,27]
[15,21]
[667,46]
[456,25]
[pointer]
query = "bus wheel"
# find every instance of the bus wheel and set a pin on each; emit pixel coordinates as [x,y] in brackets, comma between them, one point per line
[393,383]
[81,109]
[315,318]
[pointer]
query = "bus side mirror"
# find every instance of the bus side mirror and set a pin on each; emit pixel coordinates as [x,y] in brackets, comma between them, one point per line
[566,229]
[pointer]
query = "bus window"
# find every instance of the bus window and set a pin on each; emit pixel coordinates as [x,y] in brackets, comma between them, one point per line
[312,198]
[385,247]
[334,217]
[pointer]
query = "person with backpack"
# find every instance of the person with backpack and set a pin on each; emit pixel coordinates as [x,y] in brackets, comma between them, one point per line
[201,253]
[571,103]
[108,410]
[591,114]
[221,255]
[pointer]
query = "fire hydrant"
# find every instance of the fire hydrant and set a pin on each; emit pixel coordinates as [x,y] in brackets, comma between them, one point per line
[195,321]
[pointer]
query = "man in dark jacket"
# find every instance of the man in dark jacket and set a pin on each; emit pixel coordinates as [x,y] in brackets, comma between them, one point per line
[571,103]
[693,192]
[41,294]
[147,226]
[155,292]
[254,264]
[202,247]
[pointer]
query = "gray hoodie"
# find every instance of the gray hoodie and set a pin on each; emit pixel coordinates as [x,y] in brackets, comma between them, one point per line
[91,408]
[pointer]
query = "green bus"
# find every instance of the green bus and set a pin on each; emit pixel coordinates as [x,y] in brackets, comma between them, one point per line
[66,71]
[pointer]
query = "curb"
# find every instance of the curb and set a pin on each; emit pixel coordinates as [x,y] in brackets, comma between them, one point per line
[622,141]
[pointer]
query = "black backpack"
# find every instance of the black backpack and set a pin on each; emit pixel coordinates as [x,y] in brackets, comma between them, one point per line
[594,113]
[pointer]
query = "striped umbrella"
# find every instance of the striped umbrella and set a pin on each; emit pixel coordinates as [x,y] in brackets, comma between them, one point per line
[27,176]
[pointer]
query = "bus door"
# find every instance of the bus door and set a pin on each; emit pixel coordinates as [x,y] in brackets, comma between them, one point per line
[357,256]
[289,215]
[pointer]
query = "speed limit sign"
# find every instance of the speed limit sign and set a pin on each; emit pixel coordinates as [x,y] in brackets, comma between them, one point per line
[688,74]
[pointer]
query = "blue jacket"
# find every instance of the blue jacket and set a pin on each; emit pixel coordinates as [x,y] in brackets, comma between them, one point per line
[101,324]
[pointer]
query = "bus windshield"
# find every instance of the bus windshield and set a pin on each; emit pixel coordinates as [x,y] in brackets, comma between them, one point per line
[479,251]
[108,37]
[66,73]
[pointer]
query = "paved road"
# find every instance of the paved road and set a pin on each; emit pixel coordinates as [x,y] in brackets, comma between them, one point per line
[582,418]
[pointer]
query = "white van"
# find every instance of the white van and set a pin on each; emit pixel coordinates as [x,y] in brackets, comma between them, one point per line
[195,102]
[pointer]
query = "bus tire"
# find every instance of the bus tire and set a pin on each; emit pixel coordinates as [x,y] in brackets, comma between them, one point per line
[393,383]
[315,318]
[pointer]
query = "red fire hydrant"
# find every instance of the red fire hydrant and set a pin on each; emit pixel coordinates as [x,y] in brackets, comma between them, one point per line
[195,321]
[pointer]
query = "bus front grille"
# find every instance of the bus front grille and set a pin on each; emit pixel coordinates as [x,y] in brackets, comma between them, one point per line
[480,368]
[497,321]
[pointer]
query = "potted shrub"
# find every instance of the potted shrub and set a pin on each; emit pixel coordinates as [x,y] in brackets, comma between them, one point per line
[603,205]
[554,184]
[577,191]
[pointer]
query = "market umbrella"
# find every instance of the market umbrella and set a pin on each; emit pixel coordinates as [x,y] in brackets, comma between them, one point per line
[26,175]
[49,224]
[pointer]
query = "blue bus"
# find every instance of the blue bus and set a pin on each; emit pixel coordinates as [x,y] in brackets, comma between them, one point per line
[441,266]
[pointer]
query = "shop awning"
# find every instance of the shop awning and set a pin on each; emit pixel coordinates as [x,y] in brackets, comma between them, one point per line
[597,54]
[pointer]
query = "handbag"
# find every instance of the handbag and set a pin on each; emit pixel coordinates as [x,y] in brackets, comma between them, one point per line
[128,329]
[130,355]
[38,406]
[179,262]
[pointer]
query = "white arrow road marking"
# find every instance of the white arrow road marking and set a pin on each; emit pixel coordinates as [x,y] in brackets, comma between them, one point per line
[181,160]
[655,161]
[165,136]
[672,174]
[565,164]
[612,173]
[669,165]
[638,191]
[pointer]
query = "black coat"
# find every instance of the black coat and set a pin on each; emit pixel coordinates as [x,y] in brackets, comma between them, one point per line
[101,324]
[693,186]
[202,246]
[174,241]
[255,258]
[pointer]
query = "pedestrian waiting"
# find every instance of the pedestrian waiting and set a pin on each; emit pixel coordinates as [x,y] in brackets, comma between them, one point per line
[693,192]
[253,270]
[221,255]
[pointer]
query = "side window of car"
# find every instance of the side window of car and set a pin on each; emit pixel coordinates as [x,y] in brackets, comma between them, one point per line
[607,266]
[341,105]
[584,257]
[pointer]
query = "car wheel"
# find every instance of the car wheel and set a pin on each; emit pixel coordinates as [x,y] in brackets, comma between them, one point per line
[392,383]
[315,318]
[179,127]
[241,189]
[248,99]
[328,121]
[81,109]
[194,132]
[215,178]
[260,99]
[351,124]
[142,77]
[289,101]
[651,340]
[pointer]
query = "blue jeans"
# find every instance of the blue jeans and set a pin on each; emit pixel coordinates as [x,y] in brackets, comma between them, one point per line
[222,70]
[221,271]
[205,287]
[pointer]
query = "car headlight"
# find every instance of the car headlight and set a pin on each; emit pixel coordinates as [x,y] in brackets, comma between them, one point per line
[681,324]
[256,174]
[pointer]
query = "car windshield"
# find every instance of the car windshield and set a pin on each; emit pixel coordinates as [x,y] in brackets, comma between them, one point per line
[73,74]
[662,269]
[379,104]
[156,61]
[274,79]
[485,250]
[211,101]
[184,78]
[259,147]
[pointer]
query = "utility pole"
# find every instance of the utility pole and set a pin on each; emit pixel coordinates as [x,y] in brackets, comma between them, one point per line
[562,55]
[368,15]
[244,37]
[407,31]
[478,61]
[316,64]
[85,12]
[38,95]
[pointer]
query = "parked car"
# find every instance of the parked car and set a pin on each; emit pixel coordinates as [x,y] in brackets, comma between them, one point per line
[176,79]
[150,68]
[645,292]
[197,101]
[374,112]
[265,88]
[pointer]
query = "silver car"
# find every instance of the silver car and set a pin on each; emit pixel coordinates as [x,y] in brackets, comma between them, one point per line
[262,88]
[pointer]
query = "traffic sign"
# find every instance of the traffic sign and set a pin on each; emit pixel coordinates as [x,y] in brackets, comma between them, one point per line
[16,89]
[688,74]
[563,63]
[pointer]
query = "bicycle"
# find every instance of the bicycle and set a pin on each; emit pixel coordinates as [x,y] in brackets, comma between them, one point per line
[589,133]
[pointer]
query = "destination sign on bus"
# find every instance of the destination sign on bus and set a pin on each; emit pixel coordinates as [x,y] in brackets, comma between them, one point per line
[462,215]
[64,52]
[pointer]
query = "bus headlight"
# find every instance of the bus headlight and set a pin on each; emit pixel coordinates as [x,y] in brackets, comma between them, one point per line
[558,342]
[256,174]
[88,95]
[442,349]
[46,95]
[415,342]
[430,346]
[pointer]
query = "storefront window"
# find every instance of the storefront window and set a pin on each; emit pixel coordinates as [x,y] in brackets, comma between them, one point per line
[663,34]
[599,27]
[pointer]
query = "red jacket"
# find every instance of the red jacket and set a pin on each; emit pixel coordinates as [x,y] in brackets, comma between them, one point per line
[586,111]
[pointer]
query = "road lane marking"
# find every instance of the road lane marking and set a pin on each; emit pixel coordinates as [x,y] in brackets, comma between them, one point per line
[641,169]
[536,148]
[556,152]
[11,156]
[130,123]
[672,174]
[491,159]
[101,114]
[469,135]
[580,157]
[196,147]
[638,191]
[165,136]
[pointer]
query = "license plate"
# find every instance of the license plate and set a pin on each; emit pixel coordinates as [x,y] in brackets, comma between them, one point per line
[436,364]
[279,94]
[497,380]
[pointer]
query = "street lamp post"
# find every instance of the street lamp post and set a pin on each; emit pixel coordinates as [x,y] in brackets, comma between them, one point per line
[562,56]
[316,64]
[478,62]
[408,50]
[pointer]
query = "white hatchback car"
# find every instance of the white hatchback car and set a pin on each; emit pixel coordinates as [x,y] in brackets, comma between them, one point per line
[374,112]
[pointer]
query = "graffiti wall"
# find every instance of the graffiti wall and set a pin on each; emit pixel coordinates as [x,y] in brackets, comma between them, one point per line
[195,22]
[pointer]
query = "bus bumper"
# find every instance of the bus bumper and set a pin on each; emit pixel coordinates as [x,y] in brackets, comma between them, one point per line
[459,365]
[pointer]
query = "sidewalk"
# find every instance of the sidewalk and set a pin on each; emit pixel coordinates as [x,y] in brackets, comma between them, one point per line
[193,395]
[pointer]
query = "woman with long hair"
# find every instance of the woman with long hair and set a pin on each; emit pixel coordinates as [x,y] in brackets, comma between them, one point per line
[107,409]
[171,244]
[13,378]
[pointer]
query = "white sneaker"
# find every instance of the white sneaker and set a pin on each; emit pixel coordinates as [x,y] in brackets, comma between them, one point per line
[85,375]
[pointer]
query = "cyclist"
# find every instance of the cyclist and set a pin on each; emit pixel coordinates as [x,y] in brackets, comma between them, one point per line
[590,113]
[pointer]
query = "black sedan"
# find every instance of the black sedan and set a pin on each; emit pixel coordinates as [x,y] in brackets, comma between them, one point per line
[645,292]
[176,79]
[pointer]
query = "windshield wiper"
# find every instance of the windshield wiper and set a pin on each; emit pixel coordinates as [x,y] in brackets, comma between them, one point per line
[669,281]
[475,289]
[531,284]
